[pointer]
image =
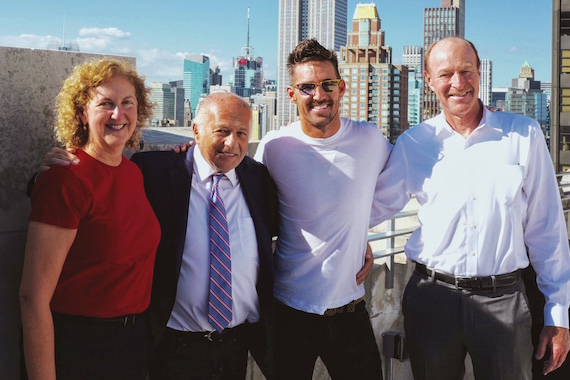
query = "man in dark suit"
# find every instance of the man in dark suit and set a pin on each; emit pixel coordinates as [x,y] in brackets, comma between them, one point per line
[221,129]
[184,342]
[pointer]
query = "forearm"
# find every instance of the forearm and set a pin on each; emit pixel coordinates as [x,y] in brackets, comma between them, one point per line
[39,351]
[46,250]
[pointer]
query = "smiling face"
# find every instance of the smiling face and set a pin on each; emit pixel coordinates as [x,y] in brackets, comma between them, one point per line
[111,116]
[319,113]
[453,75]
[222,129]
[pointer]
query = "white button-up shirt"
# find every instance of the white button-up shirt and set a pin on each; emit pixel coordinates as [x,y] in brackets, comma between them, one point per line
[483,198]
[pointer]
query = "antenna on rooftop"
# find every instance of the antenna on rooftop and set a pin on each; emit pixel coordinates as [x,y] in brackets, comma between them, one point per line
[247,51]
[70,46]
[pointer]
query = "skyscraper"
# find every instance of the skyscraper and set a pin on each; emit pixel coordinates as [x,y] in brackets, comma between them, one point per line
[177,88]
[486,82]
[413,57]
[215,76]
[376,90]
[525,97]
[163,97]
[445,21]
[299,20]
[196,78]
[248,70]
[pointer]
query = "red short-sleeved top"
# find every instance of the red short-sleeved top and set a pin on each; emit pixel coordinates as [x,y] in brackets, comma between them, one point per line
[108,270]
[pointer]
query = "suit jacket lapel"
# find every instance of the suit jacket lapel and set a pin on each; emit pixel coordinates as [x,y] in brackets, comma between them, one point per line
[180,185]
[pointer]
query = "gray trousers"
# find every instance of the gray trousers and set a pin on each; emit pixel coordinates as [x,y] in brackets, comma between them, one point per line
[443,324]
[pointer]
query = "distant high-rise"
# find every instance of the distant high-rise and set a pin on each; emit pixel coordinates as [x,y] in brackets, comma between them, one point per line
[498,95]
[196,78]
[445,21]
[413,57]
[486,82]
[248,70]
[525,97]
[326,20]
[177,88]
[163,97]
[376,90]
[215,77]
[267,118]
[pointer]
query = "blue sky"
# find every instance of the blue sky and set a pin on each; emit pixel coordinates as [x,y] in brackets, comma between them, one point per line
[160,33]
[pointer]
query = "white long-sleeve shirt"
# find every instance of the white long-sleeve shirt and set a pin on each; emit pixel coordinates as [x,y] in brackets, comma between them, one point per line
[325,188]
[483,198]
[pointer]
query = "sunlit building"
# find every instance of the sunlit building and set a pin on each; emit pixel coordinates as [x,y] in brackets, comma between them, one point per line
[413,56]
[376,90]
[196,78]
[486,82]
[445,21]
[325,20]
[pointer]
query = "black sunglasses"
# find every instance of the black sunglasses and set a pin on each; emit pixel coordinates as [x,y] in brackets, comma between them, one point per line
[329,85]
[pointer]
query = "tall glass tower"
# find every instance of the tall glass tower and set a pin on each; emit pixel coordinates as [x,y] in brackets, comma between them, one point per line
[486,82]
[445,21]
[325,20]
[413,57]
[248,70]
[196,78]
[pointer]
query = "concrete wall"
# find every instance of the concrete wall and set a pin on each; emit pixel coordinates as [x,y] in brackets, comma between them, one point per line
[29,82]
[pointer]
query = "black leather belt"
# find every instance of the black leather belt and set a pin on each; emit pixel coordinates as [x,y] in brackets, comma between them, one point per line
[472,283]
[348,308]
[125,320]
[188,337]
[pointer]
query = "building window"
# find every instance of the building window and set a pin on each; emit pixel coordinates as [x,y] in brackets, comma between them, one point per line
[565,68]
[565,100]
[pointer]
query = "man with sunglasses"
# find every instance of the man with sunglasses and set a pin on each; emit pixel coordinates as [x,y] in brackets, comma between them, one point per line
[325,168]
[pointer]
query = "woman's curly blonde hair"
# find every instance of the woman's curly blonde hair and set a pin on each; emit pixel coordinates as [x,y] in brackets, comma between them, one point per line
[76,92]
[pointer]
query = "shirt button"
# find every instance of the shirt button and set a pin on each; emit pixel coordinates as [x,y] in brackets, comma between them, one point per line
[474,226]
[472,253]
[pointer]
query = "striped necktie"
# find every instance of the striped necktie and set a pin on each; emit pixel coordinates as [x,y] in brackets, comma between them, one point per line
[220,302]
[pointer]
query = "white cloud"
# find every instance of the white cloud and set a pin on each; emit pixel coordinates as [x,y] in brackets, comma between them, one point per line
[30,41]
[95,45]
[104,33]
[104,40]
[159,65]
[513,50]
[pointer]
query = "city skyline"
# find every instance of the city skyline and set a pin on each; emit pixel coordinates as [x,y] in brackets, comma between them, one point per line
[160,35]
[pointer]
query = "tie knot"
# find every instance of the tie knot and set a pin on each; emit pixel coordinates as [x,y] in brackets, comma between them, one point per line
[216,178]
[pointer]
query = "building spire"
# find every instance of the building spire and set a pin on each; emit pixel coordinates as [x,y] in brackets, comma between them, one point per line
[247,50]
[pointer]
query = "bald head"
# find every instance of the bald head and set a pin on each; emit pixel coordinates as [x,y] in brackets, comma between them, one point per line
[221,128]
[446,44]
[213,102]
[453,73]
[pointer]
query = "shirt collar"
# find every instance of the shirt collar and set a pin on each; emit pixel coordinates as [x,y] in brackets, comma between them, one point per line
[488,120]
[205,171]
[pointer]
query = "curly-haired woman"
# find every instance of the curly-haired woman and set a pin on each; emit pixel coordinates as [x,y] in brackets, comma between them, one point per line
[92,236]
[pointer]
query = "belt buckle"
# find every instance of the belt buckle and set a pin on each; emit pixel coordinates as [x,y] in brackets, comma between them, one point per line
[208,335]
[461,283]
[128,320]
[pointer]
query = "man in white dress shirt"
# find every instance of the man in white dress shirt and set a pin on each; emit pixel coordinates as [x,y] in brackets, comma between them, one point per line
[487,191]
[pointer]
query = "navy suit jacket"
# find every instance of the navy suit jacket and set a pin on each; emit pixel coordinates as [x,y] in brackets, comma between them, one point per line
[167,180]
